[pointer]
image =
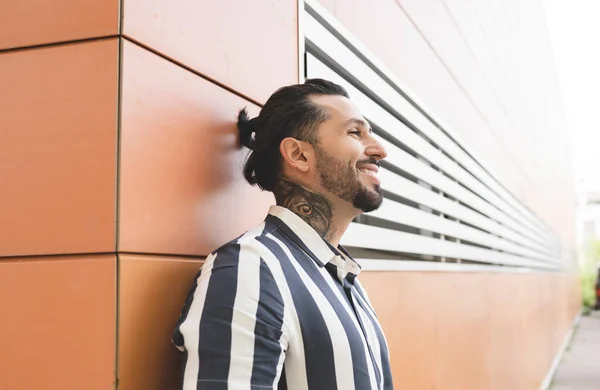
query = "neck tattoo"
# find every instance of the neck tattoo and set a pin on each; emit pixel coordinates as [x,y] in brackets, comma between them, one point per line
[313,208]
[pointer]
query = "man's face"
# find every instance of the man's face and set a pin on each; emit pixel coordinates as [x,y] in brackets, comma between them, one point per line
[347,155]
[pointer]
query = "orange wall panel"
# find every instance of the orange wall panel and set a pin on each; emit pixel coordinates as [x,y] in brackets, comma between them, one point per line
[151,295]
[58,149]
[462,320]
[182,189]
[472,331]
[35,22]
[415,317]
[250,46]
[504,332]
[57,327]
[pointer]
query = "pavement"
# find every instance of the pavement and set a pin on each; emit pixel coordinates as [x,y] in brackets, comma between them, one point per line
[579,368]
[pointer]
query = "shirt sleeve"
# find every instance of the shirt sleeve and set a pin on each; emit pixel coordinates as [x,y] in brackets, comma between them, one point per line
[232,327]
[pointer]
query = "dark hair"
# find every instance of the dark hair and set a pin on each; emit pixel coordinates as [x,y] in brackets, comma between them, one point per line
[289,112]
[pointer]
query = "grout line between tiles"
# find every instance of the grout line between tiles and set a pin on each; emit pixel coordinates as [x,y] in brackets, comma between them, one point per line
[93,255]
[121,12]
[52,256]
[158,256]
[117,319]
[118,140]
[118,204]
[57,44]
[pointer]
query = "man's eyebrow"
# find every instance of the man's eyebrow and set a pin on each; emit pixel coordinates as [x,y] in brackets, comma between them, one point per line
[359,122]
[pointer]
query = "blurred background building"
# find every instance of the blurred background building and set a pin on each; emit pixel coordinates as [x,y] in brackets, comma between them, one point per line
[573,31]
[121,171]
[589,217]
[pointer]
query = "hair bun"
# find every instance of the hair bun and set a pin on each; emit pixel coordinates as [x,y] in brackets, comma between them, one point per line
[246,127]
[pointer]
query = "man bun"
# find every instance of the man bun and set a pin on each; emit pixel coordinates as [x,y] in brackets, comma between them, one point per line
[246,127]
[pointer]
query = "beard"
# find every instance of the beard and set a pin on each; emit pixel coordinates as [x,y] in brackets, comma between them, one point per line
[342,179]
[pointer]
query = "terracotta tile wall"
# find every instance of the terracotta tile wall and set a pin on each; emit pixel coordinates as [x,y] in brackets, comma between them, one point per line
[181,187]
[248,46]
[472,331]
[57,327]
[119,147]
[38,22]
[58,149]
[152,289]
[58,142]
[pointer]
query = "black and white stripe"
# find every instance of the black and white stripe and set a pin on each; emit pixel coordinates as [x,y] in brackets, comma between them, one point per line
[278,308]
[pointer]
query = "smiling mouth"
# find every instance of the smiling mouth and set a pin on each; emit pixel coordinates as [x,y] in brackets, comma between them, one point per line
[369,172]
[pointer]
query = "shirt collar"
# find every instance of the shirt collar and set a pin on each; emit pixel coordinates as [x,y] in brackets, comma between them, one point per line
[321,251]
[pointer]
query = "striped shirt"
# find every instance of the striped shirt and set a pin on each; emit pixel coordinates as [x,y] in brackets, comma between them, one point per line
[280,308]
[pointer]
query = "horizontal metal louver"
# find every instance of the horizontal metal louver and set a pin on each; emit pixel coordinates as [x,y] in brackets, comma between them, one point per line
[441,203]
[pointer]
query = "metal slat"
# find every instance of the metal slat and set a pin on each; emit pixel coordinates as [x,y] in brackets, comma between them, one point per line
[419,194]
[435,266]
[377,238]
[407,215]
[424,172]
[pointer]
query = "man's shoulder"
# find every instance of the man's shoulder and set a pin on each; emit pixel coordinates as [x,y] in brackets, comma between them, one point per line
[249,240]
[245,251]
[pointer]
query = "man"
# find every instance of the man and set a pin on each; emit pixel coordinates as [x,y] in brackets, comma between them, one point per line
[280,306]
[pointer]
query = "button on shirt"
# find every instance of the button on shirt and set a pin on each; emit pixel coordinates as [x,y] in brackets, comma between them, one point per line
[280,308]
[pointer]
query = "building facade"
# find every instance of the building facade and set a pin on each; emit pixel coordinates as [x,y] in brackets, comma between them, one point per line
[121,171]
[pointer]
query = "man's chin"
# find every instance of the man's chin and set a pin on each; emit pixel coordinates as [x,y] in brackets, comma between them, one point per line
[367,208]
[368,200]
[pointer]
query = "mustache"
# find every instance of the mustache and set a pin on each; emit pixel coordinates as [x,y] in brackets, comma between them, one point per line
[368,161]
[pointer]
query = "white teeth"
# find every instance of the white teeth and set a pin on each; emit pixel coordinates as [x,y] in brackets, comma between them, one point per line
[369,172]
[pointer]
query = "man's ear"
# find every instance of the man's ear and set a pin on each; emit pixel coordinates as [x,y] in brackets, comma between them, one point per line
[295,153]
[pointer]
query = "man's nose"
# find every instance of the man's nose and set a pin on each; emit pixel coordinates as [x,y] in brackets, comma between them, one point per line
[376,149]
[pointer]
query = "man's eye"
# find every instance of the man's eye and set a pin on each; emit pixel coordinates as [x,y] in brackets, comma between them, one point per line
[357,132]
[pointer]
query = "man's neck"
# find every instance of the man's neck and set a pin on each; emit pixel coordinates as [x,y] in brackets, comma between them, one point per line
[315,209]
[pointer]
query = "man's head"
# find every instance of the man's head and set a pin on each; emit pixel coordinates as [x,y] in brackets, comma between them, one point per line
[312,135]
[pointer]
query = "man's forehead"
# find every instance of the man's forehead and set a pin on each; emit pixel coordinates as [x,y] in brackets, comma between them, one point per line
[340,108]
